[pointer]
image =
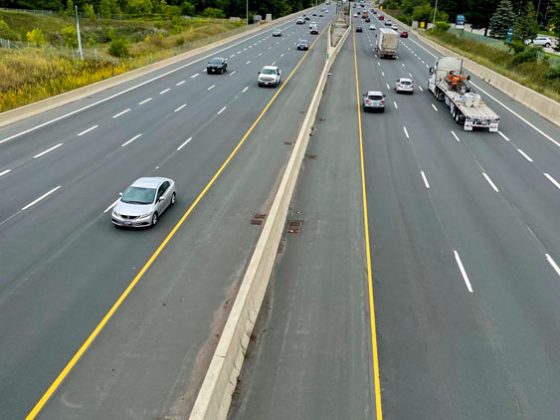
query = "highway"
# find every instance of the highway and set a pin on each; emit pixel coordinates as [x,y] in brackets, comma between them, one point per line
[463,229]
[64,266]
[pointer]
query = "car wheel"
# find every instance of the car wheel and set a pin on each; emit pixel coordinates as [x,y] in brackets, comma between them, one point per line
[173,199]
[154,218]
[547,45]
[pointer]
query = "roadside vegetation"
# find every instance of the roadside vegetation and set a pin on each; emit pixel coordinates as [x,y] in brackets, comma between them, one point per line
[508,54]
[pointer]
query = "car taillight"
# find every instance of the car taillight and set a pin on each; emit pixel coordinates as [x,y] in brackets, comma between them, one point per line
[383,101]
[368,102]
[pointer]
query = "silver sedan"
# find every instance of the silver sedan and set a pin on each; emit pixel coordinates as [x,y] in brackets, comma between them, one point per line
[144,202]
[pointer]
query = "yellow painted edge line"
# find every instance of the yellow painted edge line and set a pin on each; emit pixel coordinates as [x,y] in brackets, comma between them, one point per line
[93,335]
[377,382]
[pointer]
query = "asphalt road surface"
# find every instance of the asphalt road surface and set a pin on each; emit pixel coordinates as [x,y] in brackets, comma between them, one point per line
[63,265]
[465,250]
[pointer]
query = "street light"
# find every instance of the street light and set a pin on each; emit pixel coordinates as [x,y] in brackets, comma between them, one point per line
[79,36]
[247,11]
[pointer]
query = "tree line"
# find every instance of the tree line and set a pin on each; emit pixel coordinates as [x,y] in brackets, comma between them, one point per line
[208,8]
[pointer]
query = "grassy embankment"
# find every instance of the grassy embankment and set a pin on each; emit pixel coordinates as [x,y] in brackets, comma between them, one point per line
[29,74]
[529,67]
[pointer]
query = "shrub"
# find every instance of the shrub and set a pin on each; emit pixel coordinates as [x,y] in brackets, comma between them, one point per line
[119,48]
[6,32]
[188,8]
[70,36]
[442,26]
[212,12]
[553,73]
[517,46]
[527,55]
[89,12]
[180,40]
[36,37]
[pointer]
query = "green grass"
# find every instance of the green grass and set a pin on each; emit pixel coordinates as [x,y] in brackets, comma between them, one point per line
[31,74]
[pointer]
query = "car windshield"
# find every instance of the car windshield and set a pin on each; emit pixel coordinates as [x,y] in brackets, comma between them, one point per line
[268,71]
[138,195]
[216,61]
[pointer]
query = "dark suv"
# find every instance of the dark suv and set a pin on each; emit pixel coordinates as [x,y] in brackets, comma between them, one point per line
[217,65]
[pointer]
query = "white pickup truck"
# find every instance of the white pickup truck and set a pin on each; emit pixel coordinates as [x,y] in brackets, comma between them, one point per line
[448,83]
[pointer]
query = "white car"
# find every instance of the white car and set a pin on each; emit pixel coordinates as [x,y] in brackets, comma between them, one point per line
[269,76]
[395,28]
[404,84]
[372,27]
[540,40]
[142,204]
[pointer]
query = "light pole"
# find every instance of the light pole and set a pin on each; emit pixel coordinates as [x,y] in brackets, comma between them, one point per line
[78,32]
[435,11]
[247,11]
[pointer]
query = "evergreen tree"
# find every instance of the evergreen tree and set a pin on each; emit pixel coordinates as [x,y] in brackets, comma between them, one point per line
[105,9]
[526,25]
[478,13]
[502,19]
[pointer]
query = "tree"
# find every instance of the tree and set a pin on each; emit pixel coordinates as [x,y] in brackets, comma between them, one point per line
[212,12]
[88,11]
[502,19]
[526,25]
[70,36]
[70,7]
[425,13]
[140,7]
[478,13]
[6,32]
[187,9]
[554,20]
[105,9]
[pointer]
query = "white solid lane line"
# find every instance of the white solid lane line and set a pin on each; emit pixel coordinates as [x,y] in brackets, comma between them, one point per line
[553,264]
[184,144]
[435,108]
[455,135]
[233,72]
[44,152]
[551,179]
[396,106]
[506,138]
[121,113]
[194,75]
[137,136]
[525,155]
[463,272]
[144,101]
[180,108]
[406,132]
[221,110]
[112,205]
[245,89]
[426,183]
[211,87]
[490,182]
[7,171]
[88,130]
[40,198]
[180,83]
[164,91]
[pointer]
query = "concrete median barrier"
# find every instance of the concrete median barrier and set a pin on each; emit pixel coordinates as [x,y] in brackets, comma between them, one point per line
[214,398]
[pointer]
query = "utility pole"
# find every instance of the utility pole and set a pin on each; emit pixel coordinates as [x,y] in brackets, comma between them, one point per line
[247,11]
[435,11]
[78,32]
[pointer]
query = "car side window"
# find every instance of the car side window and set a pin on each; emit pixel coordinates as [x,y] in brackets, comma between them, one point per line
[161,189]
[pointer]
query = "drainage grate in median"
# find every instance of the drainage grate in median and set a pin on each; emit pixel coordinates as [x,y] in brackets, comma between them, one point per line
[258,219]
[294,226]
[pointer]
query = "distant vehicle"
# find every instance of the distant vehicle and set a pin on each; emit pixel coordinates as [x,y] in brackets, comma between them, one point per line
[404,34]
[381,17]
[277,33]
[372,27]
[388,23]
[374,11]
[374,100]
[404,84]
[314,14]
[395,28]
[359,29]
[355,15]
[359,13]
[314,30]
[302,44]
[144,202]
[387,43]
[216,65]
[269,76]
[321,15]
[365,14]
[307,18]
[460,21]
[300,21]
[448,83]
[367,20]
[543,41]
[311,24]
